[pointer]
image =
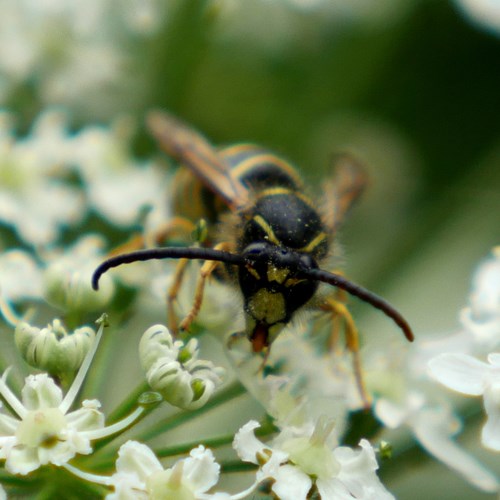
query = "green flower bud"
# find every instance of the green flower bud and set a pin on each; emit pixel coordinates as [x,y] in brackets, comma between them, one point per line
[52,348]
[174,370]
[67,280]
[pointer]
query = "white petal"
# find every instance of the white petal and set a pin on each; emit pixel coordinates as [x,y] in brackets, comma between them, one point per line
[358,472]
[491,430]
[392,415]
[40,391]
[357,462]
[246,445]
[8,425]
[86,418]
[22,460]
[291,483]
[432,428]
[494,359]
[137,459]
[459,372]
[127,487]
[333,488]
[201,469]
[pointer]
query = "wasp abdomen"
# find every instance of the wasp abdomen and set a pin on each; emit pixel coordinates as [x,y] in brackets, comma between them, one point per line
[257,168]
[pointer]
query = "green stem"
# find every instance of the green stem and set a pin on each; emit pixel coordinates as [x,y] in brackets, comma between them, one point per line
[215,442]
[127,405]
[106,460]
[237,466]
[231,392]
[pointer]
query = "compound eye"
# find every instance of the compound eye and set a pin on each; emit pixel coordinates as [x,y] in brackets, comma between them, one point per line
[255,250]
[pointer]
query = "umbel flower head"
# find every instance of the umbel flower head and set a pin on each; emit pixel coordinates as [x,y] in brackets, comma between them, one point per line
[44,430]
[140,475]
[300,460]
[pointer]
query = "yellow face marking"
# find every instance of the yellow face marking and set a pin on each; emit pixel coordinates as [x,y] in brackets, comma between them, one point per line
[293,281]
[314,243]
[267,306]
[276,274]
[253,272]
[267,229]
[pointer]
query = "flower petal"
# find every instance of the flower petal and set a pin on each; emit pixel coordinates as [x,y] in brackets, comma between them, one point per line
[136,458]
[246,445]
[459,372]
[291,483]
[201,469]
[40,391]
[491,431]
[432,428]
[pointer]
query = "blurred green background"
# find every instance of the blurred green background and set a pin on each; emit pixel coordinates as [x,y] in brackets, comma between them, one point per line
[412,86]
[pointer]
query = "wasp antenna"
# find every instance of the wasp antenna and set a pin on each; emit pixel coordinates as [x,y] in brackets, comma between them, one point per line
[363,294]
[165,253]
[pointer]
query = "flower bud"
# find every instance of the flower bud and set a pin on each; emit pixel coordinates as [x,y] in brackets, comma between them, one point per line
[174,370]
[67,280]
[52,348]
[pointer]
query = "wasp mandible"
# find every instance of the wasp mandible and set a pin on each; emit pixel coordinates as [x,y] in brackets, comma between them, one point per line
[264,234]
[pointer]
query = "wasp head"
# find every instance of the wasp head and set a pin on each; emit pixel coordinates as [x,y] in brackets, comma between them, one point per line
[273,289]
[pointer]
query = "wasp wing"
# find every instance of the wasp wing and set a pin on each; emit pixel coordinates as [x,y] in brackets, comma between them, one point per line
[190,148]
[341,191]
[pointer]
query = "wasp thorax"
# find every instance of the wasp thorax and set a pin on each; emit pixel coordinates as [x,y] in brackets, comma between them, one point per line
[286,219]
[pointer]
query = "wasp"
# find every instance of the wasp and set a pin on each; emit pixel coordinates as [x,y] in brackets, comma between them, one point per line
[264,234]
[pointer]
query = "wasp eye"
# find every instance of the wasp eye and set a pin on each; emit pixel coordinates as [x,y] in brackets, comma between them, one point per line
[307,262]
[255,249]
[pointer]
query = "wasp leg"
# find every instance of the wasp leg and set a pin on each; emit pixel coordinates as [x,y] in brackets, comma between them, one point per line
[206,270]
[173,291]
[340,311]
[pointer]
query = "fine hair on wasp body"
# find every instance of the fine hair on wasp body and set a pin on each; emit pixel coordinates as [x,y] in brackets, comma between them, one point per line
[264,234]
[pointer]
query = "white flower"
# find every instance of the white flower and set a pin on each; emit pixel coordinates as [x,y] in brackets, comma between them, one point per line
[20,276]
[304,384]
[481,318]
[117,186]
[485,13]
[434,427]
[295,462]
[67,279]
[188,478]
[174,370]
[45,433]
[73,50]
[140,475]
[34,199]
[468,375]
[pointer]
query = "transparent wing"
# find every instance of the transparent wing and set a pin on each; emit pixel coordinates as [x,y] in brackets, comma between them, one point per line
[341,191]
[190,148]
